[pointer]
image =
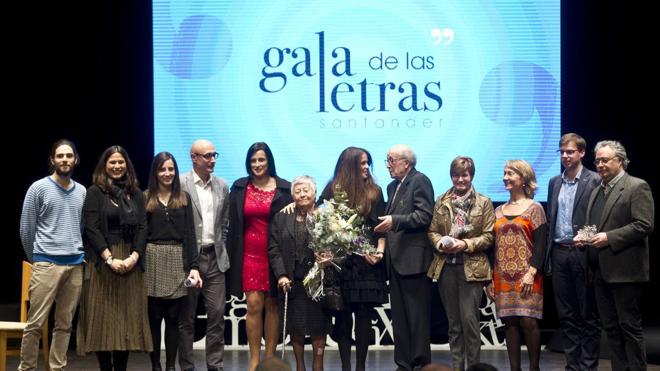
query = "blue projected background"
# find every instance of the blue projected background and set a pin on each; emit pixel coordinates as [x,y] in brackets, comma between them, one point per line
[471,77]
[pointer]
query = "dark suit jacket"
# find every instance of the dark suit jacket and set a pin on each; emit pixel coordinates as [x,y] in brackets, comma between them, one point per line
[235,246]
[281,247]
[587,182]
[408,248]
[628,218]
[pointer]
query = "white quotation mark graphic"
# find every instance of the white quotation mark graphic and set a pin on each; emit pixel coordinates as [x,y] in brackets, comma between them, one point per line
[444,36]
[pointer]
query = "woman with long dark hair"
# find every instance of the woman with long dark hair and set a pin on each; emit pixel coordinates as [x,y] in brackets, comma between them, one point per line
[171,254]
[113,307]
[362,277]
[253,201]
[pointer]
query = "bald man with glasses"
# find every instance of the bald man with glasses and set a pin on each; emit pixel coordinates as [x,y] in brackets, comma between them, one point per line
[209,196]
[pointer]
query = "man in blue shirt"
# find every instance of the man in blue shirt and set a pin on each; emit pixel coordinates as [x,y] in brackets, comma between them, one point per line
[568,195]
[51,235]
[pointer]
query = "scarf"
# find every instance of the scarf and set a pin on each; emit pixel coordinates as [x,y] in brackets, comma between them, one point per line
[460,225]
[128,219]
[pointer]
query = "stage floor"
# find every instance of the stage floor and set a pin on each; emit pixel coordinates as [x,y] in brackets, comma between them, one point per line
[381,360]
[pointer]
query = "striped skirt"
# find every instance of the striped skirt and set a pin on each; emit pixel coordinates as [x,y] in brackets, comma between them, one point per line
[113,308]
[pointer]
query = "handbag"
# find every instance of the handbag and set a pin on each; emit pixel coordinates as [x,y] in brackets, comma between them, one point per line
[332,300]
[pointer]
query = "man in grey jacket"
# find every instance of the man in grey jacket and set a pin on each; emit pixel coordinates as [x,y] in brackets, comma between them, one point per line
[209,196]
[622,209]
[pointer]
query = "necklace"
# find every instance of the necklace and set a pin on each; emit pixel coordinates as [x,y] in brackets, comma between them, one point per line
[514,202]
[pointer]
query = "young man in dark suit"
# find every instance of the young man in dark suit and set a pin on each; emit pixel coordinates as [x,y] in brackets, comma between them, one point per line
[568,195]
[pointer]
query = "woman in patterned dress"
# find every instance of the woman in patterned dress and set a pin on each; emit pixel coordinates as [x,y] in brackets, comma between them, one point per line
[171,254]
[252,203]
[517,286]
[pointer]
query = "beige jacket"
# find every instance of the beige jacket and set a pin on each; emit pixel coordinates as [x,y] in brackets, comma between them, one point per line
[482,218]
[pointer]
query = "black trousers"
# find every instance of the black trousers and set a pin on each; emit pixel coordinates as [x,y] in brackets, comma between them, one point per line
[169,310]
[576,308]
[410,297]
[619,305]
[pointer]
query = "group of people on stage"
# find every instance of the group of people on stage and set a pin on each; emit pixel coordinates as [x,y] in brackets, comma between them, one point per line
[148,256]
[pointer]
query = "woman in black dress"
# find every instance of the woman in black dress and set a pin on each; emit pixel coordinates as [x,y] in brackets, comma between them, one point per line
[362,277]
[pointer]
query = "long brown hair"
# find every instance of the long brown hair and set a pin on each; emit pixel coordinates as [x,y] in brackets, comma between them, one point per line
[101,179]
[348,175]
[177,197]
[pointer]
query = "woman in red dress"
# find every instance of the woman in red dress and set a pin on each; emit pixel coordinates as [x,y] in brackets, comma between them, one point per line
[517,286]
[252,203]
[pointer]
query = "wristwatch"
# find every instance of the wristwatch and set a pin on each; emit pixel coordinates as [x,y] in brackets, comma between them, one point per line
[108,261]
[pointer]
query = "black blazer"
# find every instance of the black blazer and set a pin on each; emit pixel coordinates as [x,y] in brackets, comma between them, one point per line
[281,247]
[587,182]
[628,219]
[235,244]
[95,211]
[408,248]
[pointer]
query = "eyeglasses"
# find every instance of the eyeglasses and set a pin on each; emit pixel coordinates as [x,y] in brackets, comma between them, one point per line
[603,160]
[391,160]
[207,156]
[569,152]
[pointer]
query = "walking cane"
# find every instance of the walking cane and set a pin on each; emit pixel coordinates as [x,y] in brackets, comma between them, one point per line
[286,304]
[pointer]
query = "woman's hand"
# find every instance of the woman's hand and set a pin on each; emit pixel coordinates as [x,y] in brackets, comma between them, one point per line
[129,263]
[323,259]
[374,257]
[288,209]
[528,282]
[490,291]
[195,277]
[284,283]
[117,266]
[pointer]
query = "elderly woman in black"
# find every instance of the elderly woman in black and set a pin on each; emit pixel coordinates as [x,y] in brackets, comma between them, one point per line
[171,254]
[290,259]
[113,306]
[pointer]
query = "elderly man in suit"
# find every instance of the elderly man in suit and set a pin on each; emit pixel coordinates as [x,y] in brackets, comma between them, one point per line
[211,210]
[408,254]
[568,195]
[622,209]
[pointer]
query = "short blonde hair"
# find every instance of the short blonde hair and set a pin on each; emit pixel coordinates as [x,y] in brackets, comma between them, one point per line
[524,169]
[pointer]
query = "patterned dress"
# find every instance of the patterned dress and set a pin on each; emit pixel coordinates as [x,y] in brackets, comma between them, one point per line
[519,242]
[255,253]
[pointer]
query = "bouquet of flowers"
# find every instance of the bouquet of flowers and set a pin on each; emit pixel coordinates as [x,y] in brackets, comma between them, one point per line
[335,230]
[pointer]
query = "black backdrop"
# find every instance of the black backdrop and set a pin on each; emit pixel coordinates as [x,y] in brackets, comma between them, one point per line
[83,70]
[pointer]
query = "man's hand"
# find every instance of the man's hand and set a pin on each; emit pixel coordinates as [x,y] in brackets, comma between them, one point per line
[600,240]
[385,225]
